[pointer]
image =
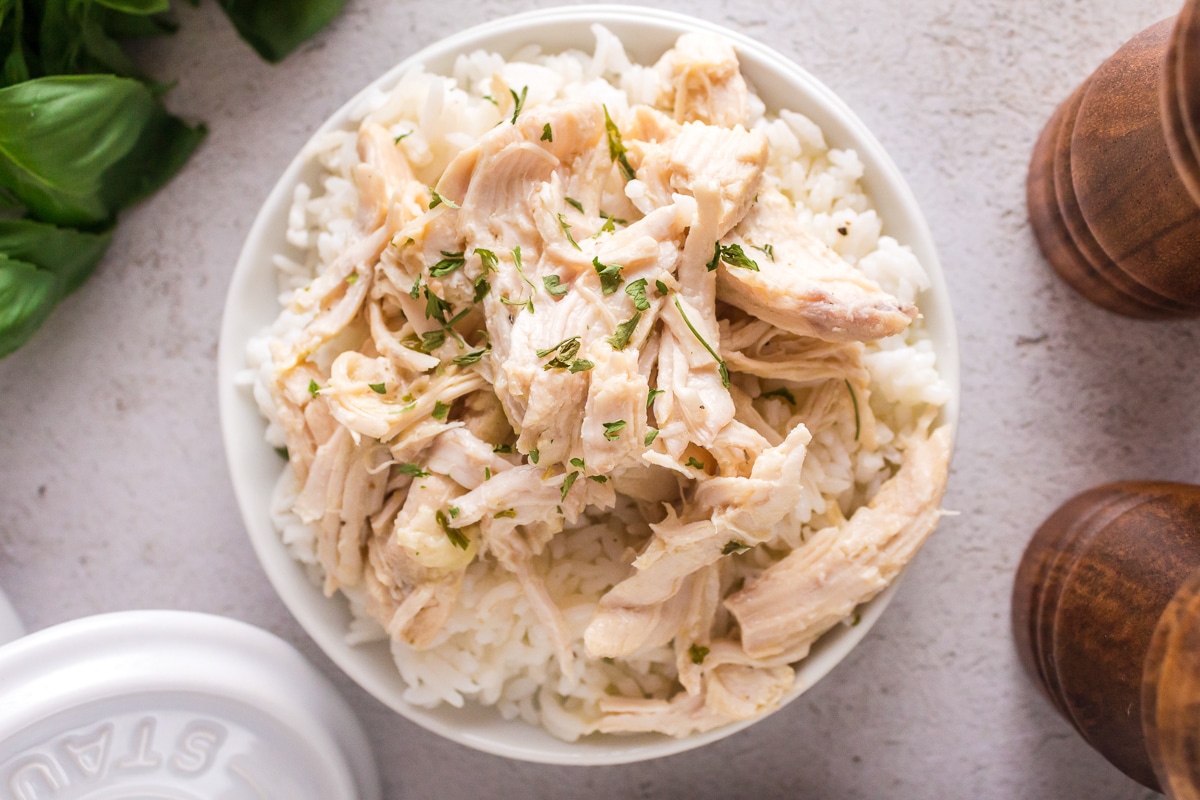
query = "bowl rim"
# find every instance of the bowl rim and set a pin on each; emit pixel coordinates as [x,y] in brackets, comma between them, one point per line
[303,600]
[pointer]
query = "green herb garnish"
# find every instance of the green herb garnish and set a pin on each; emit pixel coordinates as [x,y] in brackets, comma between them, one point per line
[554,285]
[734,547]
[651,435]
[435,307]
[440,410]
[482,287]
[454,512]
[448,264]
[352,278]
[576,204]
[613,429]
[564,353]
[733,255]
[487,258]
[854,399]
[637,291]
[620,338]
[653,394]
[378,388]
[568,482]
[578,462]
[697,653]
[456,536]
[534,455]
[313,388]
[566,229]
[412,470]
[598,478]
[547,133]
[694,462]
[508,513]
[518,102]
[610,276]
[502,448]
[580,365]
[402,136]
[438,200]
[616,150]
[769,249]
[662,288]
[282,452]
[468,359]
[516,254]
[721,368]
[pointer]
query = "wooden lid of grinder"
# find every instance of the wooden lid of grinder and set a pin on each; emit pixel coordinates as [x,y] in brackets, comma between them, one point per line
[1114,182]
[1089,593]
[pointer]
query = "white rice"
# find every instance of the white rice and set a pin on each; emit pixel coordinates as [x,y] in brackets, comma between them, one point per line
[493,650]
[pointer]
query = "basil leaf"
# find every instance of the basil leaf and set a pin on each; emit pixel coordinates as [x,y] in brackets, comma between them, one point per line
[275,28]
[27,296]
[68,253]
[75,148]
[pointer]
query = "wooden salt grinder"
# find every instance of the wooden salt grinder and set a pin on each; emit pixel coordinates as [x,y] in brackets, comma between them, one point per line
[1106,617]
[1114,183]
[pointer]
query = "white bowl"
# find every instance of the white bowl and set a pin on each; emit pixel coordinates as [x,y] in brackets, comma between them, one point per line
[252,305]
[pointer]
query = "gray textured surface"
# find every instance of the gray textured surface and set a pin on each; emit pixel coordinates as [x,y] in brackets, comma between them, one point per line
[114,493]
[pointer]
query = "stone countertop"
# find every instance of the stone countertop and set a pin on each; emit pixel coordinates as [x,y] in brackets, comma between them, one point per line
[114,492]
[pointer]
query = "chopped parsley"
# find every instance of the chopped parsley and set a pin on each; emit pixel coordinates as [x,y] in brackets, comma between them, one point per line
[854,400]
[426,342]
[378,388]
[653,394]
[547,133]
[697,653]
[449,263]
[507,513]
[694,462]
[733,255]
[412,470]
[554,285]
[487,258]
[616,149]
[491,99]
[502,448]
[440,410]
[782,393]
[566,229]
[651,435]
[467,359]
[610,276]
[662,288]
[487,473]
[435,307]
[578,206]
[454,512]
[769,249]
[637,291]
[568,482]
[415,291]
[313,388]
[580,365]
[578,462]
[721,368]
[352,278]
[482,287]
[613,429]
[734,548]
[534,455]
[438,200]
[607,227]
[620,338]
[564,353]
[518,102]
[456,536]
[402,136]
[282,452]
[598,478]
[516,254]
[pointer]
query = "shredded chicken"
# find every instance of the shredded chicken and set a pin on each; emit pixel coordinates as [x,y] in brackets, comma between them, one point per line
[591,305]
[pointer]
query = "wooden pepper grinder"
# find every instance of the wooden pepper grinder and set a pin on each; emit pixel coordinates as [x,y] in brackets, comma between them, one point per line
[1114,183]
[1106,617]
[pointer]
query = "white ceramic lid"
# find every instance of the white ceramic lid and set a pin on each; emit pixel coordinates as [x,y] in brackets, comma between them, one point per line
[10,624]
[169,705]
